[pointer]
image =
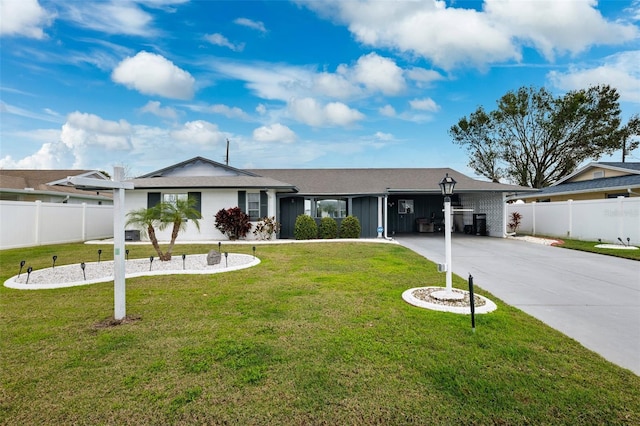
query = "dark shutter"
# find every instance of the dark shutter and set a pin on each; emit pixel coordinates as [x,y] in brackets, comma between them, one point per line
[197,196]
[264,204]
[153,199]
[242,200]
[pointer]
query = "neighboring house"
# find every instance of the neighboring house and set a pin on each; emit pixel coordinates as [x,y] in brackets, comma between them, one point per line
[595,181]
[393,200]
[49,186]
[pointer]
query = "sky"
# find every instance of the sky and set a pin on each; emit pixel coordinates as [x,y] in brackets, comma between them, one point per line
[145,84]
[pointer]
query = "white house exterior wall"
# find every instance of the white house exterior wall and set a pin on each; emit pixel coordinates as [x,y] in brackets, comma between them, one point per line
[212,200]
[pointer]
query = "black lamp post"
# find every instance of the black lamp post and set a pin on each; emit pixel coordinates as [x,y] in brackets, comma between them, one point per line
[446,186]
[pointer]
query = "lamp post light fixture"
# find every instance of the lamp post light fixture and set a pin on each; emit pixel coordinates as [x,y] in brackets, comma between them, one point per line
[446,186]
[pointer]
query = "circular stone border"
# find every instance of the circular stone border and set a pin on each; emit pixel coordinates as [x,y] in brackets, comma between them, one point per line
[137,268]
[616,247]
[434,304]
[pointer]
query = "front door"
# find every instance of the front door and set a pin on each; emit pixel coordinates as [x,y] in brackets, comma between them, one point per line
[290,209]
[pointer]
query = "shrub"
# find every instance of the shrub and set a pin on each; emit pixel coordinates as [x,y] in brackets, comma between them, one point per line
[266,228]
[350,227]
[516,218]
[305,228]
[233,222]
[328,228]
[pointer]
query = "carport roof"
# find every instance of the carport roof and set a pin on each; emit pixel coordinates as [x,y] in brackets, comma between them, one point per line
[378,181]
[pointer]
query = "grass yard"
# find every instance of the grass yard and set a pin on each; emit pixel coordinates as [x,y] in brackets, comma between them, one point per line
[590,246]
[316,334]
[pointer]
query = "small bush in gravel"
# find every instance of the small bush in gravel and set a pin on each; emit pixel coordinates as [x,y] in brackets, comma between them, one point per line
[328,228]
[305,228]
[350,227]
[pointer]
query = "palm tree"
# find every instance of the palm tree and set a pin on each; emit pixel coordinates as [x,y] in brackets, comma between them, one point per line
[162,215]
[146,219]
[177,214]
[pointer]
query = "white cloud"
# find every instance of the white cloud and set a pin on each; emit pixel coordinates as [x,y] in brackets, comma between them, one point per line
[220,40]
[274,133]
[153,107]
[447,36]
[111,17]
[256,25]
[387,111]
[451,36]
[267,80]
[261,109]
[369,75]
[23,18]
[335,85]
[49,156]
[313,113]
[557,27]
[423,77]
[199,132]
[620,71]
[377,73]
[229,112]
[153,74]
[12,109]
[426,104]
[84,130]
[383,136]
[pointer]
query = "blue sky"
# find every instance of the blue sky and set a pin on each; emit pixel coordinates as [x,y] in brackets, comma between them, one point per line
[291,84]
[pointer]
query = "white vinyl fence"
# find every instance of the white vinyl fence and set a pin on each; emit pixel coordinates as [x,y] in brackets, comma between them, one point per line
[587,220]
[27,224]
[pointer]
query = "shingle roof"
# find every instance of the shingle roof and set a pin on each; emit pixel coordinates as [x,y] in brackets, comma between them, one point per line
[613,184]
[629,166]
[257,182]
[378,180]
[17,180]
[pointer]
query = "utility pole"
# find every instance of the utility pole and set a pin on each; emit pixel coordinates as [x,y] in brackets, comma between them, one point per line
[227,157]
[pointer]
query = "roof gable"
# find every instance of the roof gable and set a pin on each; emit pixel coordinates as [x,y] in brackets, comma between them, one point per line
[197,166]
[619,168]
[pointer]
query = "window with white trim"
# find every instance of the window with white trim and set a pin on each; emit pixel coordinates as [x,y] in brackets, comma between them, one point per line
[253,205]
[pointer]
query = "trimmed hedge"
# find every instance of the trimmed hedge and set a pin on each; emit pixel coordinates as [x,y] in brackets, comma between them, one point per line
[305,228]
[350,227]
[328,228]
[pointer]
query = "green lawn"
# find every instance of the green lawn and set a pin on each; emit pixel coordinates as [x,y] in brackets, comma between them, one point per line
[315,334]
[590,246]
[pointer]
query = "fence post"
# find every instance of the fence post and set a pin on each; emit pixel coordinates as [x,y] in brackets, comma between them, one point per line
[84,222]
[621,217]
[533,217]
[570,206]
[36,227]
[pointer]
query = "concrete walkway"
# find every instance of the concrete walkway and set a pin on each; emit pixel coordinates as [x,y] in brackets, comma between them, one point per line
[594,299]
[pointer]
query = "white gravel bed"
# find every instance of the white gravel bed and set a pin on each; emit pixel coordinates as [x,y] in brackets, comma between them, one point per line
[421,297]
[98,272]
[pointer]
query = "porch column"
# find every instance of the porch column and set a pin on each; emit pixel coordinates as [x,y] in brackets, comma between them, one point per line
[380,215]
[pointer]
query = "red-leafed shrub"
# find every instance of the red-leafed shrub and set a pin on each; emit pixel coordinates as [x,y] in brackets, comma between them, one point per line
[233,222]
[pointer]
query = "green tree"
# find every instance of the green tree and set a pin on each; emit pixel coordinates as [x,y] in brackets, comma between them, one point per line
[146,220]
[629,136]
[161,216]
[176,215]
[534,138]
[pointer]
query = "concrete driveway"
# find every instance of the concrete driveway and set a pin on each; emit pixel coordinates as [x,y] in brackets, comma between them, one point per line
[591,298]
